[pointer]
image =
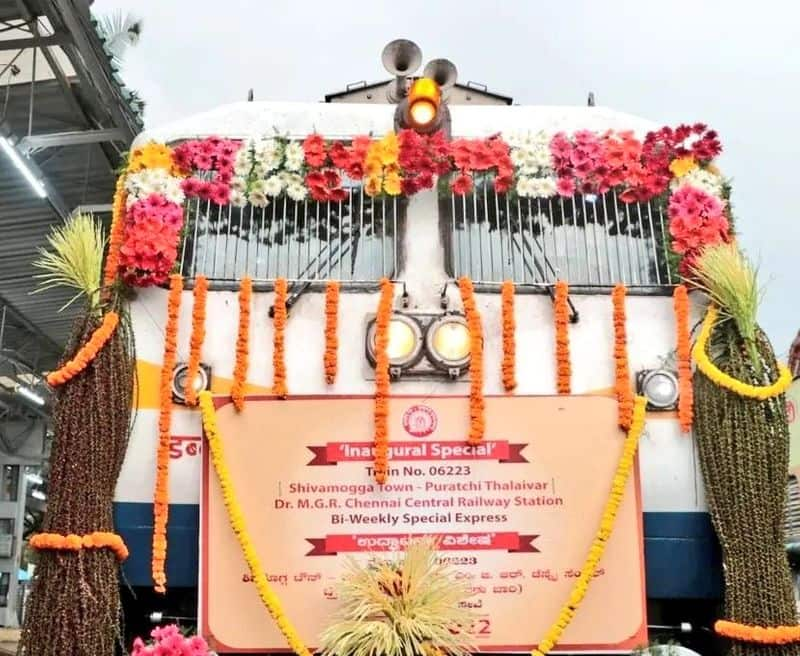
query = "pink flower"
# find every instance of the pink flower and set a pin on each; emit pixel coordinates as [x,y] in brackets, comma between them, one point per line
[565,187]
[462,184]
[314,149]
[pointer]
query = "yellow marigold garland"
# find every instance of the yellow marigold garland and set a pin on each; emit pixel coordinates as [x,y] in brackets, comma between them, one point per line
[622,374]
[509,336]
[161,493]
[381,409]
[86,353]
[242,344]
[279,323]
[236,517]
[561,312]
[600,542]
[722,379]
[330,359]
[197,338]
[680,299]
[764,635]
[476,402]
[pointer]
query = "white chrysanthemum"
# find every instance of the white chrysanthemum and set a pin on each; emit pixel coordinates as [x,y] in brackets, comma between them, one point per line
[294,156]
[700,179]
[238,198]
[153,181]
[297,192]
[268,153]
[273,185]
[525,187]
[259,187]
[239,184]
[258,199]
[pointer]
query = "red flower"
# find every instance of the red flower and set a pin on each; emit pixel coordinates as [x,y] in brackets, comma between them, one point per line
[314,150]
[462,183]
[340,155]
[565,187]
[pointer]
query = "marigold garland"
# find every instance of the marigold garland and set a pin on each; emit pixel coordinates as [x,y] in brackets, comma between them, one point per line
[381,409]
[279,325]
[476,404]
[561,313]
[764,635]
[161,494]
[680,299]
[197,338]
[622,374]
[87,352]
[704,364]
[242,344]
[72,542]
[116,234]
[236,517]
[600,541]
[509,336]
[330,359]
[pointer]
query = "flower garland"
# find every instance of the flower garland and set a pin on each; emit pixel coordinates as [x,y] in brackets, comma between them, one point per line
[596,551]
[330,359]
[381,408]
[764,635]
[236,517]
[197,338]
[722,379]
[242,344]
[477,424]
[279,325]
[470,156]
[86,353]
[509,345]
[117,232]
[161,493]
[561,313]
[381,167]
[622,374]
[72,542]
[680,299]
[212,154]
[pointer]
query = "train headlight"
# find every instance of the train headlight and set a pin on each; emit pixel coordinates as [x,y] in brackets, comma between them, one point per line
[405,342]
[447,343]
[659,387]
[180,373]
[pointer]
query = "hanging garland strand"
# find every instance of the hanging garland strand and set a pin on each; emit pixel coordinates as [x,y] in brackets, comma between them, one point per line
[330,359]
[87,353]
[476,404]
[561,312]
[600,542]
[509,336]
[680,299]
[161,494]
[242,344]
[279,324]
[236,518]
[197,338]
[622,374]
[117,233]
[381,409]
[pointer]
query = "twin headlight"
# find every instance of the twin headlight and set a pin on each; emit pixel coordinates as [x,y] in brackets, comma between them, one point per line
[424,344]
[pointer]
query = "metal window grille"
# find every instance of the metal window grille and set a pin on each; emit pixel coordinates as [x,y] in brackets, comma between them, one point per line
[354,241]
[590,241]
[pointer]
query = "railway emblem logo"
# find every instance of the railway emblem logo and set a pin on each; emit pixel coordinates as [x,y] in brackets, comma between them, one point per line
[419,421]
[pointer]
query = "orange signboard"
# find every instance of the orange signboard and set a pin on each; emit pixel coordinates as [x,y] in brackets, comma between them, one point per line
[515,515]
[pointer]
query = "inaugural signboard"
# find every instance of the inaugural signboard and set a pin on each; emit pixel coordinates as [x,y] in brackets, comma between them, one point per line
[515,515]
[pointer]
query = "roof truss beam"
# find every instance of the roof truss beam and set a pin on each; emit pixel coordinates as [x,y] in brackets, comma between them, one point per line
[34,42]
[37,142]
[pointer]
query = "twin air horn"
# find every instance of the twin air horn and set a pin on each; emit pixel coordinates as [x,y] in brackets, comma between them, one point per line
[421,101]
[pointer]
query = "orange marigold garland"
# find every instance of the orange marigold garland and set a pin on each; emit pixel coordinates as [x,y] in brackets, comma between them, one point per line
[563,365]
[197,338]
[477,425]
[279,324]
[161,495]
[87,352]
[381,410]
[330,359]
[680,300]
[117,233]
[509,344]
[764,635]
[622,374]
[242,344]
[72,542]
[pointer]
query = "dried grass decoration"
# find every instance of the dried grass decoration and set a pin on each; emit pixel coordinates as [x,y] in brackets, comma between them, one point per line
[74,605]
[410,606]
[743,444]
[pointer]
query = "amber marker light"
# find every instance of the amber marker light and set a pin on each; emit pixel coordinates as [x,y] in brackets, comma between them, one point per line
[424,99]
